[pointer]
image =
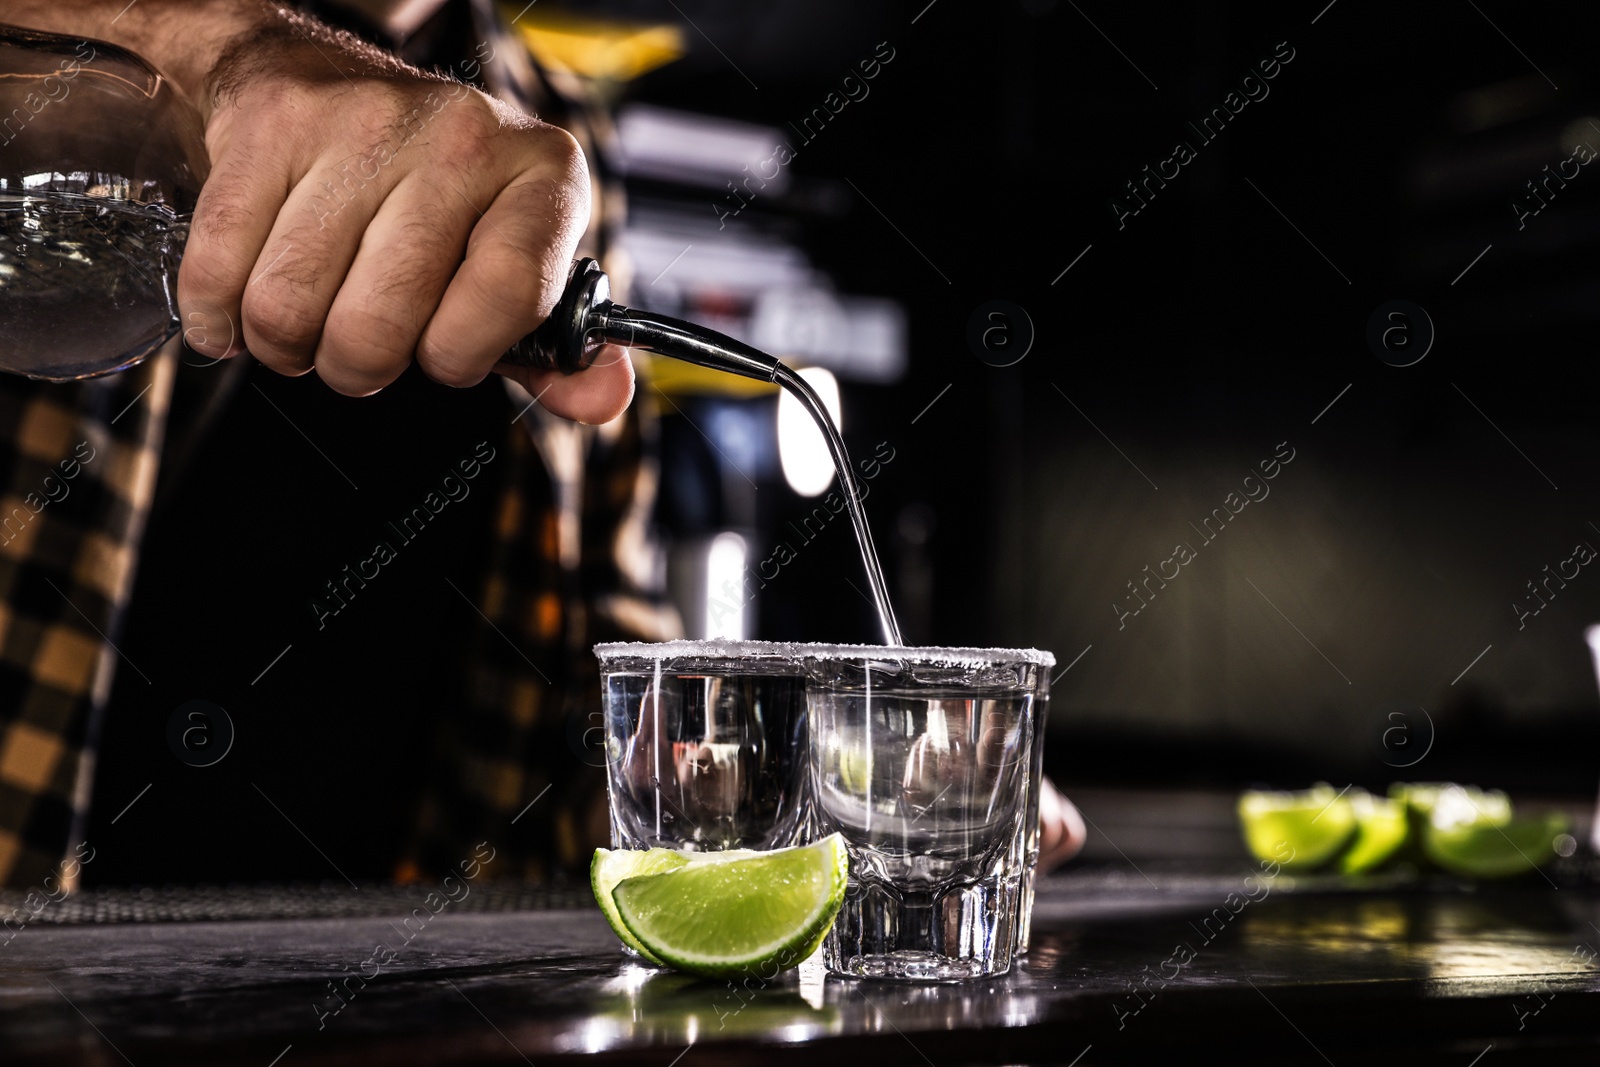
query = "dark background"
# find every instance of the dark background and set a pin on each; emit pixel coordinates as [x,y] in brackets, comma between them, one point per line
[1329,630]
[1197,338]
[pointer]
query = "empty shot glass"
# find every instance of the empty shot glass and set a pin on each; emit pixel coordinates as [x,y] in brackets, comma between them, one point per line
[923,758]
[705,744]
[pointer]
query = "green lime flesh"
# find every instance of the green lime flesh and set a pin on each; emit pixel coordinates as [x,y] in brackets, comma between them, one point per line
[1299,831]
[1381,829]
[753,917]
[610,867]
[1491,850]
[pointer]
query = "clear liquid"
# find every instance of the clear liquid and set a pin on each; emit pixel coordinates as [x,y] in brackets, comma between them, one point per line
[87,284]
[927,786]
[706,761]
[876,582]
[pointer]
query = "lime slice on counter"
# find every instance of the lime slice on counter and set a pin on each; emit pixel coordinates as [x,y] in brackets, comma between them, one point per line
[1298,830]
[1483,849]
[740,916]
[1381,828]
[610,867]
[1455,804]
[1462,804]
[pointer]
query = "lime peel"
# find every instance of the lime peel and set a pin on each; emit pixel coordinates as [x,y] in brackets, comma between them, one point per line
[1314,825]
[1381,828]
[1462,829]
[611,867]
[1494,850]
[739,916]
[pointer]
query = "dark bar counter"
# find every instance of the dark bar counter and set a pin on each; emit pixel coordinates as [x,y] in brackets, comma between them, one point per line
[1128,966]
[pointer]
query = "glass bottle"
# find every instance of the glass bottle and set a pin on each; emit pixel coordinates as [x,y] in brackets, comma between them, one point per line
[101,163]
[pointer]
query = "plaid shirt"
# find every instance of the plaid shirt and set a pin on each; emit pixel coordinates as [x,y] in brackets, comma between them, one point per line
[67,552]
[571,565]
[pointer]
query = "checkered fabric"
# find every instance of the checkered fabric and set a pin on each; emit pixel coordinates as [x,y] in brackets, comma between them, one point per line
[77,474]
[523,763]
[519,765]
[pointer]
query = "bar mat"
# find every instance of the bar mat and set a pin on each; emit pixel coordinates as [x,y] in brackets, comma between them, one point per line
[326,900]
[332,900]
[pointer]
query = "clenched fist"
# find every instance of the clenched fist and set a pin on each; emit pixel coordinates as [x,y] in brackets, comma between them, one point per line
[361,214]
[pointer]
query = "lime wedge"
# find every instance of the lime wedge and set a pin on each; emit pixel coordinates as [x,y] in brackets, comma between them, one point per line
[1462,804]
[1452,803]
[610,867]
[1297,830]
[1381,828]
[1493,850]
[753,916]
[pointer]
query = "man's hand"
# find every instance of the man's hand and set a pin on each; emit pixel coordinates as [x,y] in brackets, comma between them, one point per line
[1061,829]
[360,214]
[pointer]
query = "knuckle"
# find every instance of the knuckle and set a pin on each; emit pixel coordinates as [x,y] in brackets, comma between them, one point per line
[447,367]
[365,347]
[559,193]
[431,241]
[467,137]
[562,154]
[455,375]
[215,264]
[208,278]
[278,325]
[555,203]
[221,213]
[520,294]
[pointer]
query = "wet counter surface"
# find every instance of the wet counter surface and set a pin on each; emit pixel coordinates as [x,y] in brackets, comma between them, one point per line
[1125,968]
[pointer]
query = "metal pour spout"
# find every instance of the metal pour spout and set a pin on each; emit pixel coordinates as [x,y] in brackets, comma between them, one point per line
[585,319]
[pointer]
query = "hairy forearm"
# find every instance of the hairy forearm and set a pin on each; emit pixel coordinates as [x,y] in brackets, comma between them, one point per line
[208,47]
[183,39]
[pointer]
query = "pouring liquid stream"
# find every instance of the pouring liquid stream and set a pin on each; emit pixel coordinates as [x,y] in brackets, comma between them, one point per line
[585,318]
[808,398]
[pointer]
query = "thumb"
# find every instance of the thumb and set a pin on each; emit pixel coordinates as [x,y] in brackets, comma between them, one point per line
[598,393]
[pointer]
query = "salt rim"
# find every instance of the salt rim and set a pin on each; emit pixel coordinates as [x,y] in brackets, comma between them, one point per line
[962,656]
[955,656]
[683,648]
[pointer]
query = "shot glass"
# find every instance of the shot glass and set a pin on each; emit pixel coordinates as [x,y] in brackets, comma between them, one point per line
[924,759]
[705,744]
[1030,819]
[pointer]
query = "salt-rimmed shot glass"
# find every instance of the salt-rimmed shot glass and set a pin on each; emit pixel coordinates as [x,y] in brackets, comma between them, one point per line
[1030,820]
[923,758]
[705,744]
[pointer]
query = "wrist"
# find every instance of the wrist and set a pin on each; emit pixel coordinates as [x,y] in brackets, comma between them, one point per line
[294,47]
[183,39]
